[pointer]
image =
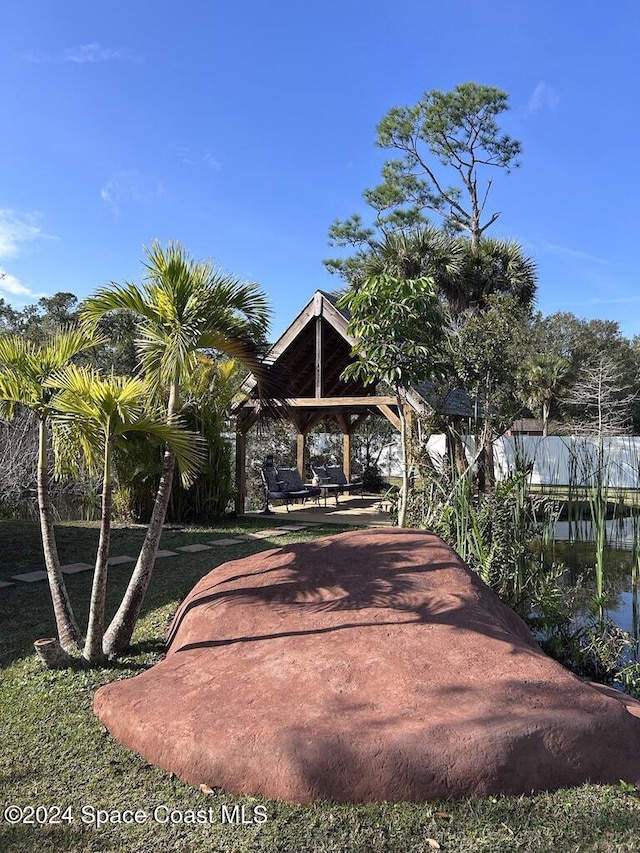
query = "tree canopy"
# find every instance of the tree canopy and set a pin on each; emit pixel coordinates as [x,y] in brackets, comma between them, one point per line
[445,137]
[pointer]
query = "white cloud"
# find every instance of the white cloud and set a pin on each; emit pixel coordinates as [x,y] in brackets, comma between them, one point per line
[211,162]
[543,97]
[17,229]
[82,54]
[93,52]
[194,158]
[11,287]
[184,154]
[568,252]
[618,300]
[129,186]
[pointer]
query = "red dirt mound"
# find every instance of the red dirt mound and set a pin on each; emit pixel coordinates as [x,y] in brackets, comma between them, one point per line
[372,665]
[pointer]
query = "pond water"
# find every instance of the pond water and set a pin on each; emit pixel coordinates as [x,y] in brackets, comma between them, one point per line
[623,600]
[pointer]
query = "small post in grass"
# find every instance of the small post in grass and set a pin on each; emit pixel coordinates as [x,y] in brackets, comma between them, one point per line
[51,653]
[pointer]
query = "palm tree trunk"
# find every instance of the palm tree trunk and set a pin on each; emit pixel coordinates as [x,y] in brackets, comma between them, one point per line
[95,629]
[118,635]
[69,633]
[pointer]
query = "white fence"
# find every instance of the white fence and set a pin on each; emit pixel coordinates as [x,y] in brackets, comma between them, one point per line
[560,460]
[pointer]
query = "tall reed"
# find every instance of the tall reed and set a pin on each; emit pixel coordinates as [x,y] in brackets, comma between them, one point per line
[492,532]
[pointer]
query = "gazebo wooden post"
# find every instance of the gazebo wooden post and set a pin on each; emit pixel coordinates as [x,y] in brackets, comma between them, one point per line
[301,423]
[346,455]
[301,447]
[344,422]
[349,426]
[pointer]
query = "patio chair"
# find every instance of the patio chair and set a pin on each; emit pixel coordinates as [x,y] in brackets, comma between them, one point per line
[334,475]
[283,484]
[294,487]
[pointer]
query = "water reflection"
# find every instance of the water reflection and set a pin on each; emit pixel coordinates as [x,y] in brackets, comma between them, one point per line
[619,531]
[623,601]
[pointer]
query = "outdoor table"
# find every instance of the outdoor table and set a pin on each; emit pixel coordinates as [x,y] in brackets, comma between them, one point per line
[326,489]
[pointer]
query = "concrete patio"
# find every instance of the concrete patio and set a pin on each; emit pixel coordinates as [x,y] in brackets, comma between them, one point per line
[360,511]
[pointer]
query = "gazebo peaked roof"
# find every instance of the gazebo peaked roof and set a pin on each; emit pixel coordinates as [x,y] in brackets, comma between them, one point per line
[314,351]
[312,354]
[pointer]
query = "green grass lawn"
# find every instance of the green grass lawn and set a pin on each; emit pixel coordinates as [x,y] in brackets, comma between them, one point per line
[54,752]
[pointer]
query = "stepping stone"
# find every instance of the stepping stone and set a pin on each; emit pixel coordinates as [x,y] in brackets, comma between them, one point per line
[290,527]
[161,554]
[74,568]
[116,561]
[193,549]
[30,577]
[228,541]
[265,534]
[6,583]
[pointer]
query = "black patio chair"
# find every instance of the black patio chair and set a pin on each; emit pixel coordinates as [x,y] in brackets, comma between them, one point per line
[283,484]
[294,486]
[335,475]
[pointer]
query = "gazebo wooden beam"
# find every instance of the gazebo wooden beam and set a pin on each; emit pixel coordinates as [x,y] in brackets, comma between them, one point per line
[318,372]
[332,402]
[390,415]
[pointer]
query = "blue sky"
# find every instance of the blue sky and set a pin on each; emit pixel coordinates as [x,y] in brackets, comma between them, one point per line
[244,129]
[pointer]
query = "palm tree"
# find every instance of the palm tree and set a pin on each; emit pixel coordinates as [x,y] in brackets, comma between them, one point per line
[422,251]
[97,412]
[465,274]
[491,266]
[25,368]
[183,306]
[543,375]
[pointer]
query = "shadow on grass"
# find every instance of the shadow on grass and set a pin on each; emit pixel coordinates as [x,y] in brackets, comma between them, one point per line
[26,612]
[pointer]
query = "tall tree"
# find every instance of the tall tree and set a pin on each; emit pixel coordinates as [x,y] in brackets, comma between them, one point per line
[25,368]
[397,324]
[487,349]
[583,342]
[601,398]
[98,412]
[543,376]
[182,306]
[445,135]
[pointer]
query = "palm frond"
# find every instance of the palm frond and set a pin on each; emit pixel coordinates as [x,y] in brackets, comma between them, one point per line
[117,297]
[188,446]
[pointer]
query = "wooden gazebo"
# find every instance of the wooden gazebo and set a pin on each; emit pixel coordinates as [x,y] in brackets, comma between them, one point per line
[312,353]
